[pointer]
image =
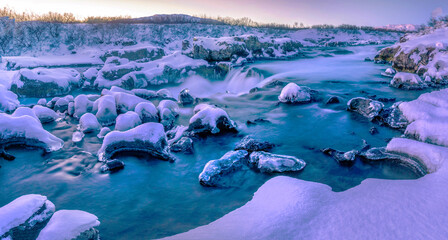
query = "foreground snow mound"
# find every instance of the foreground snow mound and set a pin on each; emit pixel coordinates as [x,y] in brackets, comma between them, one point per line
[428,117]
[26,130]
[71,224]
[215,170]
[24,216]
[288,208]
[43,82]
[8,100]
[147,138]
[292,93]
[407,81]
[366,107]
[268,162]
[211,120]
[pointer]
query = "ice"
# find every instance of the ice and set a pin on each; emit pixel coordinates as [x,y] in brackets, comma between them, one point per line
[292,93]
[44,114]
[77,136]
[268,162]
[25,211]
[127,121]
[148,137]
[8,100]
[70,224]
[88,123]
[215,170]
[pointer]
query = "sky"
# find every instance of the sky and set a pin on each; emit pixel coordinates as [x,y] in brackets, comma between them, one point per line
[309,12]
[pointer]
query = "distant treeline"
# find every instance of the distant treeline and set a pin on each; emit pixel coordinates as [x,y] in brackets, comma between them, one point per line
[52,17]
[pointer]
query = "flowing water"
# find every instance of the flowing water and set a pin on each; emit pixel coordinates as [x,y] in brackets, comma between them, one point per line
[152,198]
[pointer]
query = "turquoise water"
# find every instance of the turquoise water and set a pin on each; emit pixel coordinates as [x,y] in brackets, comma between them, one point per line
[153,199]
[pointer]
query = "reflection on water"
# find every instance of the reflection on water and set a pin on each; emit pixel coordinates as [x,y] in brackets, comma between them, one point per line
[152,198]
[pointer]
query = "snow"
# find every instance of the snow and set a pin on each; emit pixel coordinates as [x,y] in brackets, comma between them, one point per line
[127,121]
[22,209]
[292,93]
[18,62]
[25,111]
[68,224]
[209,116]
[44,114]
[125,101]
[90,73]
[89,123]
[8,100]
[103,132]
[82,105]
[407,80]
[170,105]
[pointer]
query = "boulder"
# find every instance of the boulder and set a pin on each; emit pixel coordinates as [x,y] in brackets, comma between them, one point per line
[215,170]
[211,120]
[89,123]
[252,145]
[292,93]
[268,162]
[366,107]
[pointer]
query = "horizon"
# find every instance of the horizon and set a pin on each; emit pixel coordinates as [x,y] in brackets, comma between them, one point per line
[307,12]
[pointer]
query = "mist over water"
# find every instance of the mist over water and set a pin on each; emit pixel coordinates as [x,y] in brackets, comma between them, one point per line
[152,198]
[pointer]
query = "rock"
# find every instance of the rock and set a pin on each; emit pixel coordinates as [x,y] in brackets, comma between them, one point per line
[135,53]
[211,120]
[61,105]
[127,121]
[366,107]
[407,81]
[215,170]
[6,156]
[184,145]
[147,112]
[251,145]
[106,110]
[88,123]
[292,93]
[103,132]
[24,217]
[268,162]
[112,166]
[145,94]
[148,138]
[343,158]
[332,100]
[44,114]
[256,121]
[52,102]
[367,59]
[373,131]
[71,224]
[164,94]
[185,97]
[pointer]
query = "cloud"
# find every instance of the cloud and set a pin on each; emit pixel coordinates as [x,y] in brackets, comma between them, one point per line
[438,12]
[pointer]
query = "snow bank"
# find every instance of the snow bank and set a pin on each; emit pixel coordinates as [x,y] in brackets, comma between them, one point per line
[70,224]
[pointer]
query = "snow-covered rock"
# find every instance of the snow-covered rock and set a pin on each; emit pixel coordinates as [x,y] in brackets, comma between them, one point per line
[147,112]
[164,94]
[343,158]
[25,111]
[61,105]
[366,107]
[105,110]
[25,216]
[45,114]
[28,131]
[145,93]
[8,100]
[77,136]
[148,138]
[45,82]
[71,224]
[89,123]
[126,101]
[183,145]
[82,105]
[112,166]
[292,93]
[185,97]
[211,120]
[268,162]
[407,81]
[103,132]
[127,121]
[215,170]
[142,54]
[393,117]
